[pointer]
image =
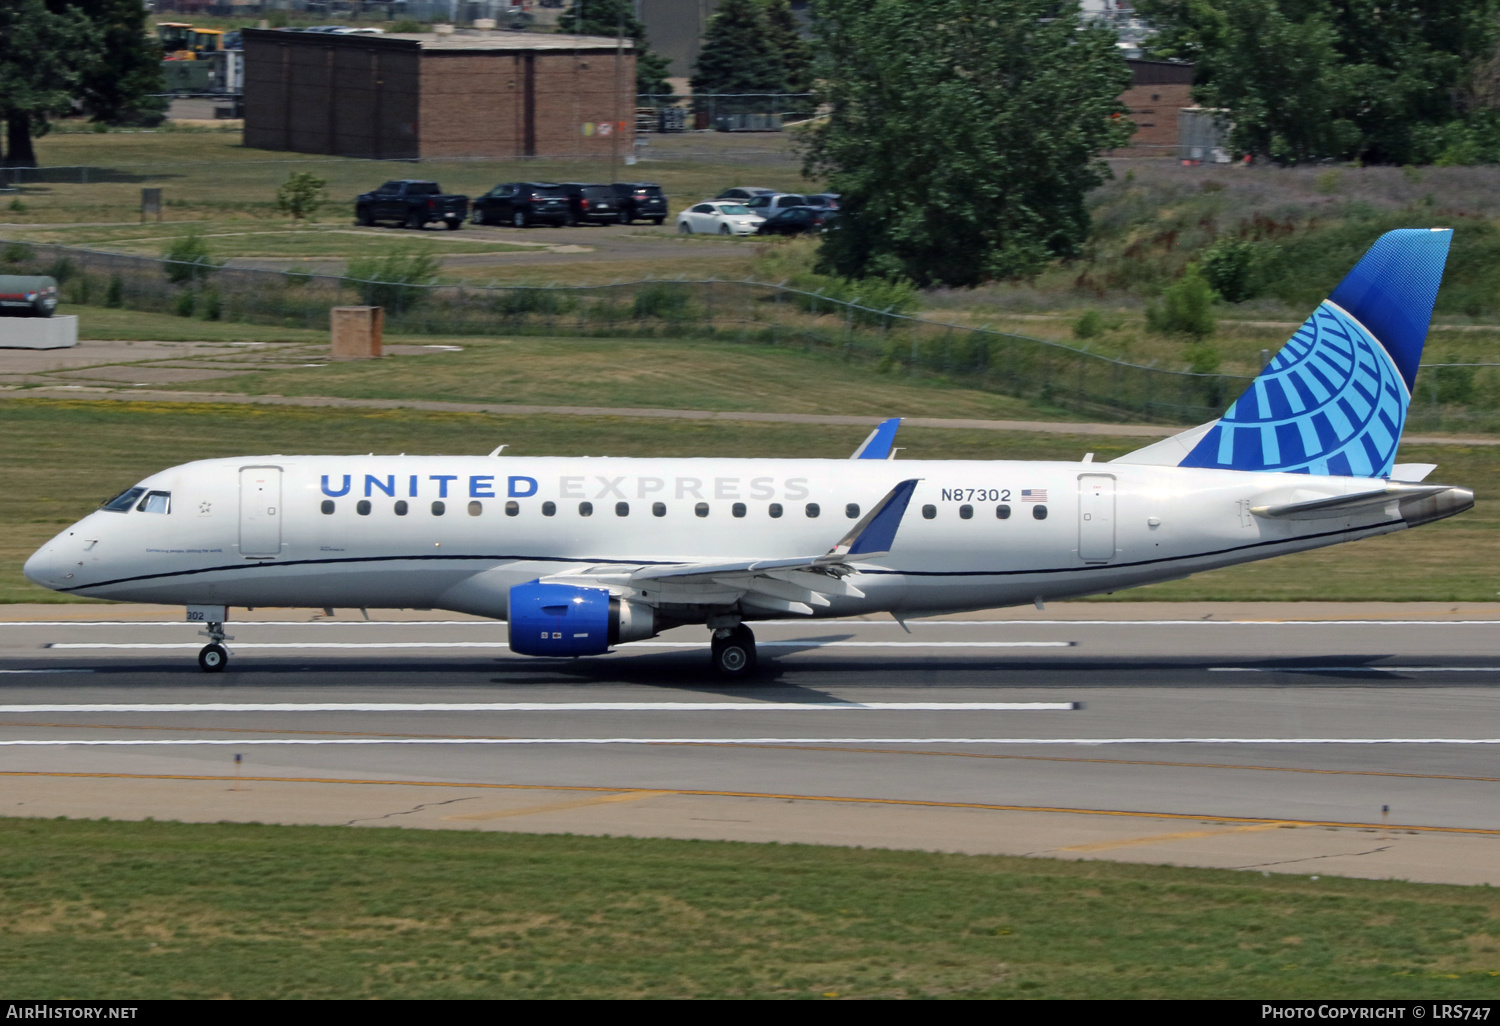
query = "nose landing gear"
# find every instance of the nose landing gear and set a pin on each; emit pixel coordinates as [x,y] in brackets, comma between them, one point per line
[213,657]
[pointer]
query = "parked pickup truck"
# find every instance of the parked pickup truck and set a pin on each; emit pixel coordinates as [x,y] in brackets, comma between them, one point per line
[411,204]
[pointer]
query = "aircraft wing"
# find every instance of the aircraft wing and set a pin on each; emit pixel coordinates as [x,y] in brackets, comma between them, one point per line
[878,445]
[794,585]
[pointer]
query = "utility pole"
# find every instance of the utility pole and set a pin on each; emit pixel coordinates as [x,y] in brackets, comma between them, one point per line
[614,131]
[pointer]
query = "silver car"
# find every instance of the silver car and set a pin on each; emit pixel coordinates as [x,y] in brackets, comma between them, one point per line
[718,217]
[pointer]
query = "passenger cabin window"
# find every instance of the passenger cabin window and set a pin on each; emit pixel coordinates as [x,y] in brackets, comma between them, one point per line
[585,509]
[121,503]
[852,511]
[328,506]
[156,502]
[1040,512]
[362,507]
[775,510]
[658,509]
[622,509]
[929,512]
[701,510]
[1002,512]
[401,507]
[966,512]
[439,508]
[813,510]
[549,509]
[738,509]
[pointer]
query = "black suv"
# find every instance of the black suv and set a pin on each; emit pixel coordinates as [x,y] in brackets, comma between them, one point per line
[522,204]
[640,201]
[591,203]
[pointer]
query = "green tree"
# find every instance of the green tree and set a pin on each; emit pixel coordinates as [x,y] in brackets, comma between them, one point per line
[301,195]
[964,134]
[608,17]
[739,55]
[116,88]
[43,57]
[786,38]
[1370,80]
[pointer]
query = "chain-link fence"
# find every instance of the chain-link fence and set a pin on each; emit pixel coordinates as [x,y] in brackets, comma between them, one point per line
[725,112]
[1448,396]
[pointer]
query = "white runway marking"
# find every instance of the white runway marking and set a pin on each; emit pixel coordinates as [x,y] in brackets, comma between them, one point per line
[1354,669]
[185,707]
[1072,741]
[372,645]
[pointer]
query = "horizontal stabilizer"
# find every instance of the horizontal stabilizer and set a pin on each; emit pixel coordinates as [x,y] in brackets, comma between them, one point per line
[1339,506]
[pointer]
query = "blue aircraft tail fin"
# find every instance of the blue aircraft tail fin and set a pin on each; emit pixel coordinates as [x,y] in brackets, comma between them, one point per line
[1334,398]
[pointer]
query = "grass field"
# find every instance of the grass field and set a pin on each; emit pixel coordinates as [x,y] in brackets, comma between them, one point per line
[62,458]
[167,910]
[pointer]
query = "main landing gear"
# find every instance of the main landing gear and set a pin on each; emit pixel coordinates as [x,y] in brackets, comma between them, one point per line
[733,650]
[213,657]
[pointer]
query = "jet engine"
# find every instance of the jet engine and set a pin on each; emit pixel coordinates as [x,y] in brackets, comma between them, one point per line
[566,620]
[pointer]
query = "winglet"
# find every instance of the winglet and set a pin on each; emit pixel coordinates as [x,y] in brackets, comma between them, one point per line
[876,531]
[878,445]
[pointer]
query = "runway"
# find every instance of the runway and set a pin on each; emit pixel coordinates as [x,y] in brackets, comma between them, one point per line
[1355,740]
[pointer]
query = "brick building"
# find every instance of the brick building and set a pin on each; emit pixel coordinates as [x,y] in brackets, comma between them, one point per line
[1158,90]
[497,94]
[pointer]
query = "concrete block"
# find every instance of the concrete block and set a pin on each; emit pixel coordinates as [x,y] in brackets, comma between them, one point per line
[356,331]
[38,332]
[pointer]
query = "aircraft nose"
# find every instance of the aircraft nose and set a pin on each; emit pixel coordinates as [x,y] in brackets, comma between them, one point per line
[52,566]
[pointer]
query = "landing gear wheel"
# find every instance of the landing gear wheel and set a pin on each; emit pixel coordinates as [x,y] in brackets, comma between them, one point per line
[212,659]
[734,656]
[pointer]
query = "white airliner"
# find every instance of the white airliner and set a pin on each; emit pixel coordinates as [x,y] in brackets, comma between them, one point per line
[579,555]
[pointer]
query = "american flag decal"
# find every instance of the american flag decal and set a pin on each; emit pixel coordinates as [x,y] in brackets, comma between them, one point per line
[1033,495]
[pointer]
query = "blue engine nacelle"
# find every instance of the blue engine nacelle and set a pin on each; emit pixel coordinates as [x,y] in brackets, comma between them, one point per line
[566,620]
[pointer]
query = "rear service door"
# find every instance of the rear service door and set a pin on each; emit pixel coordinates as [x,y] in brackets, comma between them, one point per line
[1096,517]
[260,512]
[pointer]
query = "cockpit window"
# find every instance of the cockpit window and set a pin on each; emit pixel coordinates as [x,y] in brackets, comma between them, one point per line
[156,502]
[121,503]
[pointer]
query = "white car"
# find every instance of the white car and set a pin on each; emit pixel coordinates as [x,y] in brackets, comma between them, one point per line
[718,217]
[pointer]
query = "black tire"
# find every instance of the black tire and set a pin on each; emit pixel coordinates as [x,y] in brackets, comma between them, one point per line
[477,216]
[683,228]
[518,219]
[734,656]
[414,221]
[625,218]
[724,229]
[455,224]
[362,218]
[657,220]
[213,659]
[571,221]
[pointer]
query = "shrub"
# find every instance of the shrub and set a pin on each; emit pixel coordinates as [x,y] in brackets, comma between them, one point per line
[212,308]
[1228,266]
[521,301]
[114,295]
[17,206]
[397,281]
[188,259]
[301,195]
[186,302]
[60,270]
[1186,308]
[17,253]
[666,301]
[1090,325]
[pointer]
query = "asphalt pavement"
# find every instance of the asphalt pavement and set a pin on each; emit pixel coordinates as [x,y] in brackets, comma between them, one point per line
[1343,739]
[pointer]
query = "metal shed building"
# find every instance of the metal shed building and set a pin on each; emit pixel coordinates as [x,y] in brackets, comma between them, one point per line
[495,94]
